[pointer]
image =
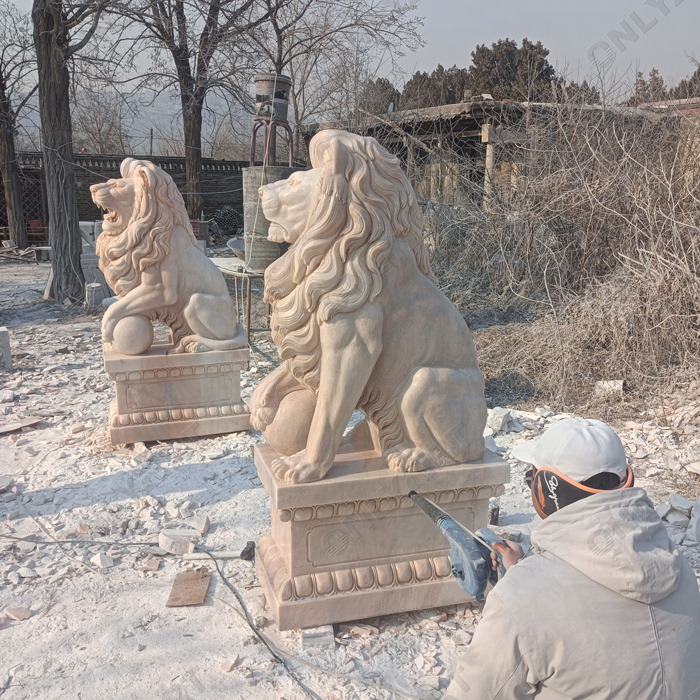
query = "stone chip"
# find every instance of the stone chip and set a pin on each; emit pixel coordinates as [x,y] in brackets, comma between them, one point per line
[17,613]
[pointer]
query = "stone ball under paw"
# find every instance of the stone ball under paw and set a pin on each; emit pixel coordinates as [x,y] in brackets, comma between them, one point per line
[133,335]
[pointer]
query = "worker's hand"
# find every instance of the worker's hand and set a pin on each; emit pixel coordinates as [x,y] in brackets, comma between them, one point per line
[510,552]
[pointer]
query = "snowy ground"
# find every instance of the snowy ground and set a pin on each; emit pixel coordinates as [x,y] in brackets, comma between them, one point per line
[104,632]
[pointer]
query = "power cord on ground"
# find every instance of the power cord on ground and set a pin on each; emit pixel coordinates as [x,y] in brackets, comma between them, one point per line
[278,654]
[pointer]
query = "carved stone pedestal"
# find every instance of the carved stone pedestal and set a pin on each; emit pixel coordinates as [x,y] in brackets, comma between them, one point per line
[165,397]
[354,545]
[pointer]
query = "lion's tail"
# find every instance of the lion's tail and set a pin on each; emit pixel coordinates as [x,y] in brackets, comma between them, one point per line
[179,327]
[385,415]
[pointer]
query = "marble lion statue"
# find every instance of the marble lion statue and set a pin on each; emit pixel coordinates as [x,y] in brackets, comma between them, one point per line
[359,322]
[149,256]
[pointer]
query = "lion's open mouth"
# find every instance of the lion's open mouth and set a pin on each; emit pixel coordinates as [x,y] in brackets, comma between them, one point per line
[110,215]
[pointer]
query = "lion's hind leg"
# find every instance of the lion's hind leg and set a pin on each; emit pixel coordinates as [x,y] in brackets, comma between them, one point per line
[213,323]
[444,413]
[409,458]
[196,343]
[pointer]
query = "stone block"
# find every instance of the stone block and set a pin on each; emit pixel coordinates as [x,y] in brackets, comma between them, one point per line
[693,532]
[94,295]
[318,638]
[677,519]
[43,253]
[17,613]
[5,353]
[354,545]
[102,561]
[199,522]
[681,504]
[171,541]
[163,396]
[498,419]
[89,262]
[663,509]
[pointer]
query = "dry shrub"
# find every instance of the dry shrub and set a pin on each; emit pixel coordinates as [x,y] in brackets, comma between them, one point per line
[619,328]
[598,237]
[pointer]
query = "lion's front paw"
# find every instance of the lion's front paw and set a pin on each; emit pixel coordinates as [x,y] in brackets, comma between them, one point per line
[108,326]
[298,469]
[261,417]
[263,406]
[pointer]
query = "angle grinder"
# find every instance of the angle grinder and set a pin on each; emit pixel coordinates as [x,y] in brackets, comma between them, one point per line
[470,552]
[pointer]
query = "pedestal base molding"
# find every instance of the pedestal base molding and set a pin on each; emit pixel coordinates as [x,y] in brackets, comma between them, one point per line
[163,397]
[369,551]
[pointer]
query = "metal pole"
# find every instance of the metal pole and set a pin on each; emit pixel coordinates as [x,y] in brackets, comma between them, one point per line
[247,311]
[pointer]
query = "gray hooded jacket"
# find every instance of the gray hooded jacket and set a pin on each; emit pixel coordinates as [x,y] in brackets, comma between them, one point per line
[606,608]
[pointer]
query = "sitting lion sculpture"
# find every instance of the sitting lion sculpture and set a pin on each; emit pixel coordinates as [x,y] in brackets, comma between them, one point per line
[149,256]
[359,323]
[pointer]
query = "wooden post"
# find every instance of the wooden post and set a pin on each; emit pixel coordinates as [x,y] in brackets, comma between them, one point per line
[489,163]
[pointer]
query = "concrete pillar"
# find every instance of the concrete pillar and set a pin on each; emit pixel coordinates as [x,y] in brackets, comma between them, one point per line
[94,295]
[5,354]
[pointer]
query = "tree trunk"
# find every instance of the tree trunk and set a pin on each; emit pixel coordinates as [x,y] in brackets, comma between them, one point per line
[192,123]
[9,167]
[51,44]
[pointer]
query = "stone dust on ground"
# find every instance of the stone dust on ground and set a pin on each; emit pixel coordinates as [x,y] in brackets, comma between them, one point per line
[83,582]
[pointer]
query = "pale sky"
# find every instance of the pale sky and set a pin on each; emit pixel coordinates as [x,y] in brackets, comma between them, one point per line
[668,32]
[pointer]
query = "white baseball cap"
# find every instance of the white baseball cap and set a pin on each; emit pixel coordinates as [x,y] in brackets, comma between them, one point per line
[578,448]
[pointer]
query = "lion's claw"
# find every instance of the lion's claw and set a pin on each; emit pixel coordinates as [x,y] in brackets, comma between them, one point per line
[298,469]
[261,417]
[413,459]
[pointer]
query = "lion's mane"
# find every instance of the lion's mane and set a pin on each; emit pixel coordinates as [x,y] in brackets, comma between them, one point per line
[158,208]
[363,201]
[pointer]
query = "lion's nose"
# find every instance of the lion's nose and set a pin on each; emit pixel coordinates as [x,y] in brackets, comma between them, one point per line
[93,188]
[260,192]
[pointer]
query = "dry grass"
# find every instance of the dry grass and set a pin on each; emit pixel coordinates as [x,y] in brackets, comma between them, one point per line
[598,241]
[620,328]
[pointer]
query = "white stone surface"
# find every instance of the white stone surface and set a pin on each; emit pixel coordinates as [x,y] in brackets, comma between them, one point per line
[93,483]
[360,323]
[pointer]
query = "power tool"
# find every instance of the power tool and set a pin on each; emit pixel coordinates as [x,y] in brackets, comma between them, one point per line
[470,552]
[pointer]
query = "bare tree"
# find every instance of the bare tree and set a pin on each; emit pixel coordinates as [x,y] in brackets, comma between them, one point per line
[15,67]
[100,111]
[54,24]
[186,39]
[329,47]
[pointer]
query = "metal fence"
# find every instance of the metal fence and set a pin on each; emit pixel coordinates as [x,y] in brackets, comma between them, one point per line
[221,184]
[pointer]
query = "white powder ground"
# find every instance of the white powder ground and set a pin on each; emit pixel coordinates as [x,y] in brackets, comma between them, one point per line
[106,633]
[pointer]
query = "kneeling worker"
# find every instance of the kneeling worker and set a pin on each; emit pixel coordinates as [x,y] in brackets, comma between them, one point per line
[605,607]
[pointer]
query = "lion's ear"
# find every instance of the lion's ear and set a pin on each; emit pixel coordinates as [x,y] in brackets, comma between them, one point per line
[336,167]
[143,176]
